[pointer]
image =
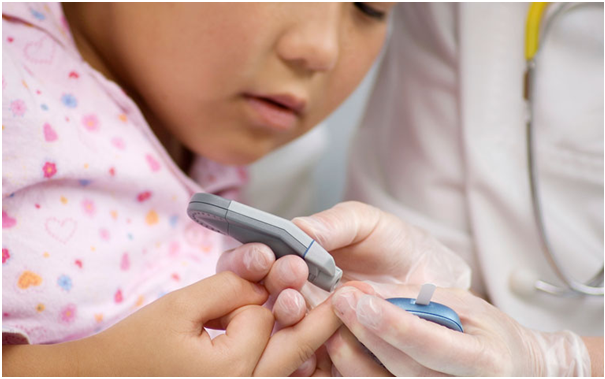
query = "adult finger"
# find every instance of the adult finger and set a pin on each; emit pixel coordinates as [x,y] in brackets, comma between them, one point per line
[324,364]
[289,271]
[307,368]
[291,347]
[361,237]
[289,308]
[251,261]
[427,343]
[347,302]
[342,225]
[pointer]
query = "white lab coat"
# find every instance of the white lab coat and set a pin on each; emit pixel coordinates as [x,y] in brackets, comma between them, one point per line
[442,145]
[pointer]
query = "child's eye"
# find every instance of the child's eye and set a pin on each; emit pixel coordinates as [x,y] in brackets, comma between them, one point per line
[370,11]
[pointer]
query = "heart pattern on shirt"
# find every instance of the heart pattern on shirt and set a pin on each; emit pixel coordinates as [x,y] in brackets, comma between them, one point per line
[63,230]
[41,51]
[7,221]
[28,279]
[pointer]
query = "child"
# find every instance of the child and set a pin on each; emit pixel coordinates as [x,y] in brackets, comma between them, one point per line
[113,116]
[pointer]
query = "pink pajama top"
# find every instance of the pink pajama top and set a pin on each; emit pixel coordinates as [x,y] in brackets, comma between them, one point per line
[94,222]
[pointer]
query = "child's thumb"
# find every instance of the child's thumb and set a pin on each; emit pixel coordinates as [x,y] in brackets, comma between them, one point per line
[217,296]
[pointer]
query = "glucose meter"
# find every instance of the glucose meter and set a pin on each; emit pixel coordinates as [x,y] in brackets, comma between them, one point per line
[426,309]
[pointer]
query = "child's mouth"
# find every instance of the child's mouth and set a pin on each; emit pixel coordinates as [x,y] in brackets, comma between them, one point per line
[279,112]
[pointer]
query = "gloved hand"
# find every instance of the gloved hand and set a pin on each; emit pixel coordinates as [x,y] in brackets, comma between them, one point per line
[366,243]
[283,278]
[493,344]
[369,244]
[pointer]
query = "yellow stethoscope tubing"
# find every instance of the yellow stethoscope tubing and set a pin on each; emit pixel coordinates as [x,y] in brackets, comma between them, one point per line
[593,287]
[532,29]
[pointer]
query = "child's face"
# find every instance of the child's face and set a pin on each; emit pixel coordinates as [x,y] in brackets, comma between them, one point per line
[210,73]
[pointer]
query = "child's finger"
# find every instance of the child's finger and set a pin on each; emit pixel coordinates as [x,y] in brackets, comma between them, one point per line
[251,261]
[291,347]
[215,297]
[246,335]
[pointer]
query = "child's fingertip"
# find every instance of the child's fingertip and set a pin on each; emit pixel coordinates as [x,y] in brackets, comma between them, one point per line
[260,289]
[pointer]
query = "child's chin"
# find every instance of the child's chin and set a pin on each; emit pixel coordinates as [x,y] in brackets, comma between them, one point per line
[240,157]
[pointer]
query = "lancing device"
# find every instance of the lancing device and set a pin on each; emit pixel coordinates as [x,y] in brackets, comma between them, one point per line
[247,224]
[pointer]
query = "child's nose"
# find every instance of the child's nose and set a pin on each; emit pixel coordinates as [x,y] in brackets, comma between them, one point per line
[312,43]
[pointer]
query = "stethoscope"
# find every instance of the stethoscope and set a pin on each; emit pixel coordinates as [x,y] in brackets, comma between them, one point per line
[533,42]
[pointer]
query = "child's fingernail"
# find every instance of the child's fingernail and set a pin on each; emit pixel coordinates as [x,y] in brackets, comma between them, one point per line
[259,288]
[344,300]
[368,312]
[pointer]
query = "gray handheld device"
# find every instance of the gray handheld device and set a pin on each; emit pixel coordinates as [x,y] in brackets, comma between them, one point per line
[247,224]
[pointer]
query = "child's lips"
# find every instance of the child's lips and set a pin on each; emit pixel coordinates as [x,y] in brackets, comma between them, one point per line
[278,113]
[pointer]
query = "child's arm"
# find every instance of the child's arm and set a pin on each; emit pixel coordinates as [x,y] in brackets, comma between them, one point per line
[165,338]
[41,360]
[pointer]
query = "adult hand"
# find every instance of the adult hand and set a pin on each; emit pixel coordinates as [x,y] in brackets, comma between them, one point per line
[493,344]
[369,244]
[365,242]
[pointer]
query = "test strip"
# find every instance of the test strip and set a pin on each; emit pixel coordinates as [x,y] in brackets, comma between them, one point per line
[426,293]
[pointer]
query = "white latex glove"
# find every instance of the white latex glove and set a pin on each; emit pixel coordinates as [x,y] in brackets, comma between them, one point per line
[369,244]
[493,344]
[283,278]
[366,243]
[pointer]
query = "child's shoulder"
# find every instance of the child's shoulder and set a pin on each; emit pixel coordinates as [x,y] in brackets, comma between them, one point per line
[60,120]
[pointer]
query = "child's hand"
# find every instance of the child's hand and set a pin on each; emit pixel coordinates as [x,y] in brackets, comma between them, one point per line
[292,350]
[166,338]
